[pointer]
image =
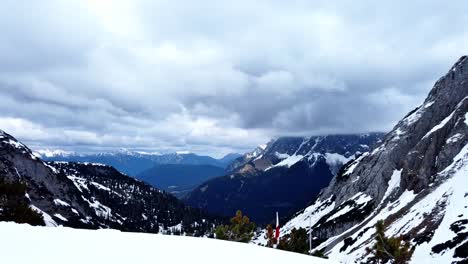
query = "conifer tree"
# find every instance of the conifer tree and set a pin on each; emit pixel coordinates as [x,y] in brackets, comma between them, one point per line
[14,206]
[296,241]
[240,229]
[389,249]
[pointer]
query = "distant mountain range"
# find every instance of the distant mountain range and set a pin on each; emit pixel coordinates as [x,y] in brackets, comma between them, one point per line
[90,195]
[134,162]
[283,175]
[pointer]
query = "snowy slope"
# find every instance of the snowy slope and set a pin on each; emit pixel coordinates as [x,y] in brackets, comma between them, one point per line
[415,180]
[44,245]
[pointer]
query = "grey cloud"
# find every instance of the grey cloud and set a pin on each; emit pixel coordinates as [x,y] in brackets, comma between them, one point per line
[213,76]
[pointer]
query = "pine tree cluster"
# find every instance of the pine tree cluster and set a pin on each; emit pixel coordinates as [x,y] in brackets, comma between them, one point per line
[13,204]
[296,241]
[241,229]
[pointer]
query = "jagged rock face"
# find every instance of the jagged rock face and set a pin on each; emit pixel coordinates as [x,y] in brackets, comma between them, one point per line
[413,180]
[284,175]
[89,195]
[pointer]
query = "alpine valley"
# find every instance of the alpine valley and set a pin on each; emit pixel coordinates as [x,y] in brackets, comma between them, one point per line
[177,173]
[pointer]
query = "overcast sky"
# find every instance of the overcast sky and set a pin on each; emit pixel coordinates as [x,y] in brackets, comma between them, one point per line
[217,76]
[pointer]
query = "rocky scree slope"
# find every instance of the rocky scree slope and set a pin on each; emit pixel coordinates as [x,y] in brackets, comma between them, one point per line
[416,180]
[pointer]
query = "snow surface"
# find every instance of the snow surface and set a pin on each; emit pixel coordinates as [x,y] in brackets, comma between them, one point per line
[393,183]
[59,216]
[74,246]
[47,218]
[440,125]
[466,118]
[454,138]
[451,192]
[361,198]
[60,202]
[454,190]
[288,162]
[417,114]
[354,164]
[341,212]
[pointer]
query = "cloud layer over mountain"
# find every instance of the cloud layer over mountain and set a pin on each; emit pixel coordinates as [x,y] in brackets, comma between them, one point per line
[215,77]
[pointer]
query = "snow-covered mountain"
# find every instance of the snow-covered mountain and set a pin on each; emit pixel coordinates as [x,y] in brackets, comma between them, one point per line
[283,175]
[416,180]
[42,245]
[89,195]
[135,162]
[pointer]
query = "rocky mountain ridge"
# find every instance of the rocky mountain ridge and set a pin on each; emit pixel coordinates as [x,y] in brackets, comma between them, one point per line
[415,180]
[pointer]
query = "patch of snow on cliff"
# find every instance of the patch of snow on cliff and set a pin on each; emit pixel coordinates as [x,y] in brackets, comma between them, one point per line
[47,218]
[454,189]
[290,161]
[393,183]
[417,114]
[454,138]
[440,125]
[59,216]
[354,164]
[60,202]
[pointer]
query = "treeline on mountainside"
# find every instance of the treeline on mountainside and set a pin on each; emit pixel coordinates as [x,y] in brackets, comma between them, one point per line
[13,204]
[143,207]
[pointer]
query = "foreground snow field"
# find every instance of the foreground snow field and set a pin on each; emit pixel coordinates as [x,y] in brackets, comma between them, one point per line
[27,244]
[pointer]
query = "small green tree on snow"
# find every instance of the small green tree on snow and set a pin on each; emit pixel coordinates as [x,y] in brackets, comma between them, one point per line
[296,241]
[241,229]
[389,249]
